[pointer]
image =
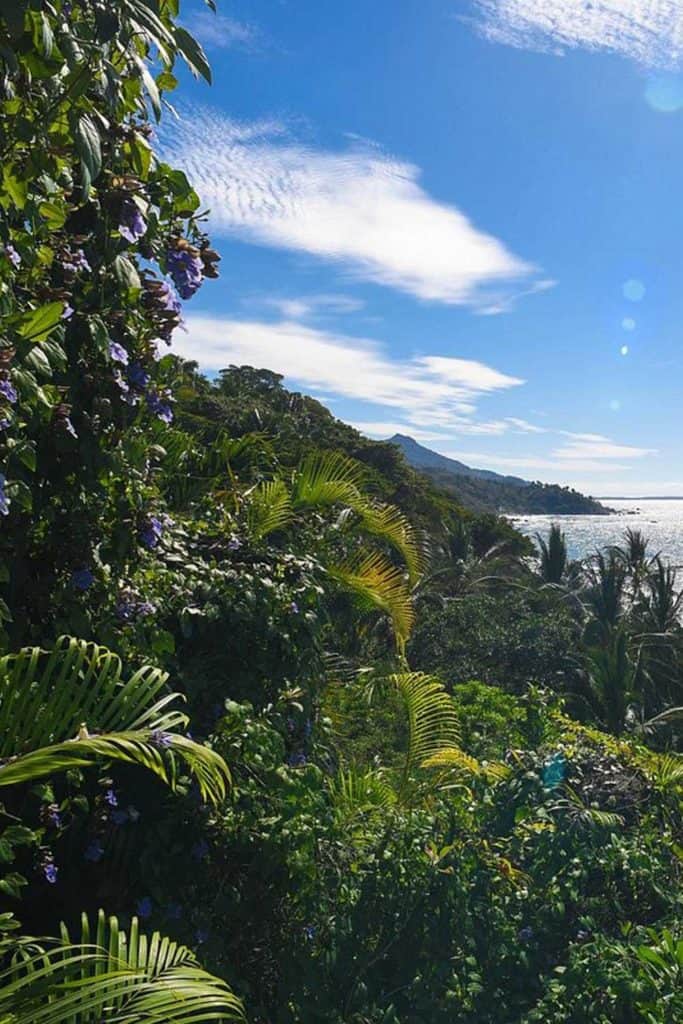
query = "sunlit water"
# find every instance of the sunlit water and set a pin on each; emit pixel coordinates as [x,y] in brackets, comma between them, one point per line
[660,520]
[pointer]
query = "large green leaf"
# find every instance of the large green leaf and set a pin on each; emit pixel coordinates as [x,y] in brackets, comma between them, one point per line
[88,147]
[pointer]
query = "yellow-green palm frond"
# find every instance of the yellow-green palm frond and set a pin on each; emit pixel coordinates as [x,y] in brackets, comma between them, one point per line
[389,523]
[355,792]
[432,717]
[111,975]
[376,583]
[327,478]
[665,770]
[455,760]
[269,508]
[70,707]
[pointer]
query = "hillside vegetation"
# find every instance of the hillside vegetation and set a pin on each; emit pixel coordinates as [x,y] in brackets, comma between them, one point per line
[286,734]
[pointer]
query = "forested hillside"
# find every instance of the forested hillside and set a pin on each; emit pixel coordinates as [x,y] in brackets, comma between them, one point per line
[286,735]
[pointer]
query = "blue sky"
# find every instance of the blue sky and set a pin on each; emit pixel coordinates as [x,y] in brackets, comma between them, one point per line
[460,220]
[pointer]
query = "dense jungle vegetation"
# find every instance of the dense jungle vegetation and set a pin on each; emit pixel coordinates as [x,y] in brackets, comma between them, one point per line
[285,734]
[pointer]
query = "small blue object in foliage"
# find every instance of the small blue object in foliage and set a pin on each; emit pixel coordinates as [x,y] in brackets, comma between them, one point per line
[94,851]
[120,817]
[309,931]
[118,353]
[554,771]
[144,907]
[76,261]
[525,934]
[82,579]
[111,798]
[150,535]
[132,225]
[138,376]
[201,935]
[297,760]
[200,850]
[160,405]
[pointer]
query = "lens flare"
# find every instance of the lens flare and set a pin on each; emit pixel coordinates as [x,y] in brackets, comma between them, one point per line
[628,323]
[624,350]
[664,93]
[634,290]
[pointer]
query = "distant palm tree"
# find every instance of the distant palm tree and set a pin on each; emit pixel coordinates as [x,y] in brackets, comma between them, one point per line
[662,602]
[612,679]
[637,562]
[605,594]
[554,559]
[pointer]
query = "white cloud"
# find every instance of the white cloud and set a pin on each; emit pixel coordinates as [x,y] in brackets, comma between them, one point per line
[647,31]
[435,390]
[217,31]
[524,427]
[358,207]
[595,446]
[311,305]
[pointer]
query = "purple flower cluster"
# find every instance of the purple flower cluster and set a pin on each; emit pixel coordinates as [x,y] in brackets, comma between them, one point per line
[51,816]
[50,869]
[132,225]
[160,404]
[130,607]
[160,739]
[13,256]
[186,269]
[4,500]
[75,261]
[111,798]
[138,376]
[525,934]
[153,529]
[297,760]
[163,304]
[8,391]
[82,579]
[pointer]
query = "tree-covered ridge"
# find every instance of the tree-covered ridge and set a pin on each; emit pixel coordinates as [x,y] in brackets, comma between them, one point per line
[321,744]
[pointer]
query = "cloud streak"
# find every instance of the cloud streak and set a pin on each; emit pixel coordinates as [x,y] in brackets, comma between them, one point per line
[357,207]
[437,390]
[647,31]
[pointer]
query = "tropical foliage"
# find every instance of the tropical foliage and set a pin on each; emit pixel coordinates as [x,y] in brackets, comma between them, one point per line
[324,744]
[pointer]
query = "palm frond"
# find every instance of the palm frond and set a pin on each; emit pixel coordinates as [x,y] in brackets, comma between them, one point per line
[111,977]
[70,707]
[327,478]
[390,524]
[269,508]
[432,717]
[455,759]
[376,583]
[355,792]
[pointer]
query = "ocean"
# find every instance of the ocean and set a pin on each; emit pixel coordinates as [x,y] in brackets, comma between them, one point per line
[659,519]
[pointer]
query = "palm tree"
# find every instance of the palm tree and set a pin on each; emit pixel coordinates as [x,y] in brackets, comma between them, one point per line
[554,560]
[612,677]
[605,594]
[331,481]
[70,707]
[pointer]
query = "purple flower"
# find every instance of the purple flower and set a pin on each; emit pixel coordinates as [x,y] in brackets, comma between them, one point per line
[4,500]
[8,391]
[138,376]
[169,298]
[201,935]
[52,816]
[160,739]
[150,535]
[234,544]
[186,271]
[144,907]
[68,312]
[12,255]
[160,406]
[525,934]
[50,871]
[76,261]
[82,579]
[94,851]
[118,353]
[130,608]
[132,225]
[309,931]
[294,608]
[111,798]
[297,760]
[119,817]
[4,423]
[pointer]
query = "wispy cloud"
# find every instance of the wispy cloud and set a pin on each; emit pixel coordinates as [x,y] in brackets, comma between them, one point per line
[304,306]
[217,31]
[356,206]
[647,31]
[524,427]
[595,446]
[437,390]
